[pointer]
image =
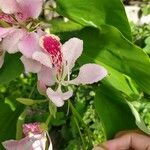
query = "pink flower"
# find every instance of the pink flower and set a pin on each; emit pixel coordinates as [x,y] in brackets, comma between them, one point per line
[35,139]
[22,9]
[17,14]
[57,62]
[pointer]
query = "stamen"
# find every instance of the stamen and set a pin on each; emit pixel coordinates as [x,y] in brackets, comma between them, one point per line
[7,18]
[19,16]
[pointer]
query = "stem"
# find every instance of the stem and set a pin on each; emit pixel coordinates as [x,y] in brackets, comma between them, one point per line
[32,91]
[48,119]
[21,118]
[20,122]
[75,113]
[84,147]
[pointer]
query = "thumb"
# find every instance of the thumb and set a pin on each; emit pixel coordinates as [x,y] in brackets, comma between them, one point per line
[129,140]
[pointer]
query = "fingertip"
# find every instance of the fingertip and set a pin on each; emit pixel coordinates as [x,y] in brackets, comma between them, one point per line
[110,145]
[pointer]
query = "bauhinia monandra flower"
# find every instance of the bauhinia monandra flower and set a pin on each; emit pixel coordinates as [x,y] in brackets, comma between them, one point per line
[17,18]
[54,61]
[35,139]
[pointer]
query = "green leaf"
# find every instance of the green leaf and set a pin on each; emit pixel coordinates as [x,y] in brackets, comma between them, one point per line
[147,47]
[61,26]
[139,122]
[30,102]
[59,119]
[109,48]
[52,109]
[113,111]
[11,69]
[96,13]
[106,45]
[8,119]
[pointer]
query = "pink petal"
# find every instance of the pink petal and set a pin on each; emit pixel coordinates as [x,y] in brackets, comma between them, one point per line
[9,6]
[57,97]
[29,44]
[2,55]
[43,58]
[33,142]
[31,65]
[10,42]
[41,88]
[30,8]
[89,73]
[46,76]
[5,32]
[72,50]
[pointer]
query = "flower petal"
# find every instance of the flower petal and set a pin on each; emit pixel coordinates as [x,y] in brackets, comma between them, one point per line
[31,65]
[9,6]
[5,32]
[57,97]
[43,58]
[10,42]
[72,50]
[41,88]
[30,8]
[29,44]
[46,76]
[33,142]
[89,73]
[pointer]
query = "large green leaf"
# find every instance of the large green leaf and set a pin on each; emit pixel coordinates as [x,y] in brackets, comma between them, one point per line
[113,111]
[106,45]
[121,58]
[109,48]
[95,13]
[8,119]
[11,69]
[139,121]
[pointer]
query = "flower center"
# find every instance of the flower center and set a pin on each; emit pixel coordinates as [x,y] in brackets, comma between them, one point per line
[52,45]
[19,15]
[31,128]
[7,18]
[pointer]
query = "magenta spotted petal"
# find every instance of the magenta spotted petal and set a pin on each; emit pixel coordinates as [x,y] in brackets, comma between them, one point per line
[52,46]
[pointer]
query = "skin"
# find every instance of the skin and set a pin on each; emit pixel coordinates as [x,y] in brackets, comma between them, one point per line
[131,140]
